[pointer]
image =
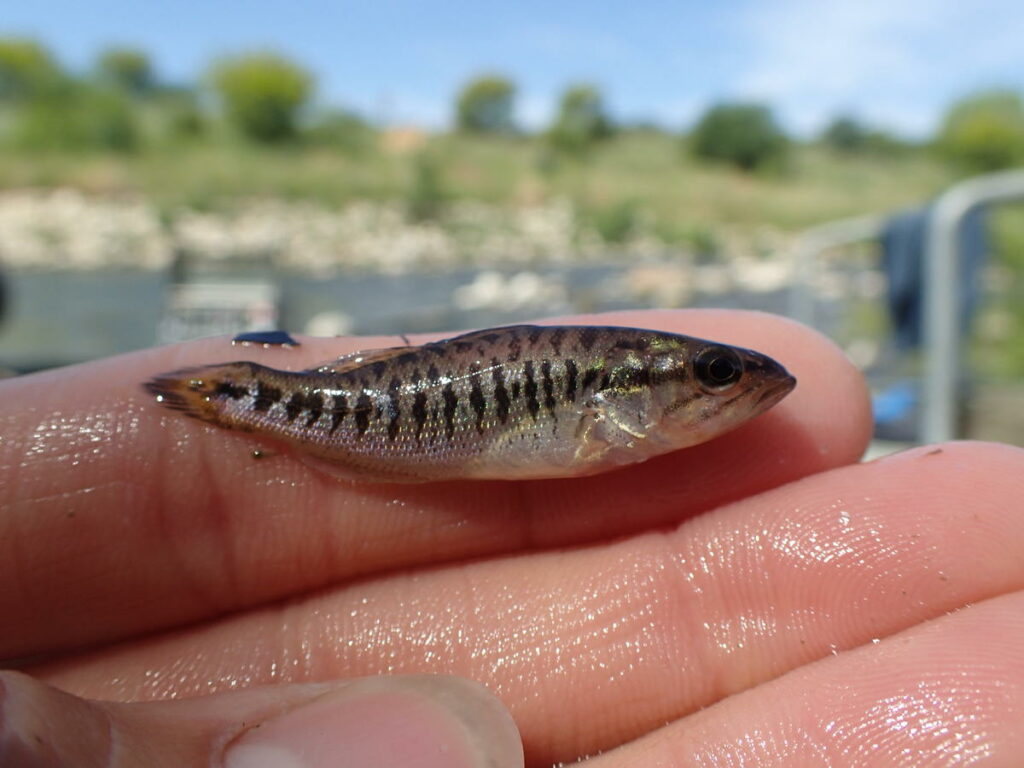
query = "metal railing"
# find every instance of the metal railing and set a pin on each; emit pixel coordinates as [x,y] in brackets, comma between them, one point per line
[809,247]
[942,337]
[941,324]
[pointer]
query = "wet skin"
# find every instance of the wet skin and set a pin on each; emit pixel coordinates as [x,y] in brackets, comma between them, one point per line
[719,603]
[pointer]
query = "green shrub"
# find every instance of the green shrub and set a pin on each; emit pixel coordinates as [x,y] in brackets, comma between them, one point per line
[704,242]
[617,222]
[849,136]
[125,68]
[184,119]
[78,117]
[984,132]
[744,135]
[110,121]
[581,120]
[485,105]
[262,94]
[173,112]
[845,134]
[27,70]
[425,196]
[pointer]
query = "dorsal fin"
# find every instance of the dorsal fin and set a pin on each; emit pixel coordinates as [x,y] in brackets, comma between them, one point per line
[355,360]
[489,333]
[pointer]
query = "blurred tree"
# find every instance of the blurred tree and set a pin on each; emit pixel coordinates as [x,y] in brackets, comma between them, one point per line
[485,105]
[263,94]
[984,132]
[425,196]
[126,68]
[845,134]
[615,223]
[745,135]
[581,120]
[27,70]
[77,118]
[179,109]
[849,135]
[110,121]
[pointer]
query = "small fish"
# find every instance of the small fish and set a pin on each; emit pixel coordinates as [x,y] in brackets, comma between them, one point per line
[517,402]
[266,338]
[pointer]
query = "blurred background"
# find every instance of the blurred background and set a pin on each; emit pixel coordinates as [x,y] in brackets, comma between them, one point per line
[337,168]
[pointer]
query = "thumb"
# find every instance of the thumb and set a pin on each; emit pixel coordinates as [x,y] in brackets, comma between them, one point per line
[412,722]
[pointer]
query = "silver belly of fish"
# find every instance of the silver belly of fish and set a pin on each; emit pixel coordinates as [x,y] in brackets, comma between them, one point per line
[505,403]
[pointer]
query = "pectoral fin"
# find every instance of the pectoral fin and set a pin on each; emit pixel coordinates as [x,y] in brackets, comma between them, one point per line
[600,431]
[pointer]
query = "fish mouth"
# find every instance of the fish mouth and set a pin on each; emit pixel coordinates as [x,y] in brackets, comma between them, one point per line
[774,391]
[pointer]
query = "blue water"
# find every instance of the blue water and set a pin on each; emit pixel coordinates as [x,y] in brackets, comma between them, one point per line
[56,318]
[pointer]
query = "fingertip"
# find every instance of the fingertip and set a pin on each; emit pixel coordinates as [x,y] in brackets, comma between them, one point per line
[42,726]
[390,722]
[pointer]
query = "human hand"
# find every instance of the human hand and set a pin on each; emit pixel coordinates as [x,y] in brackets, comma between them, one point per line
[690,610]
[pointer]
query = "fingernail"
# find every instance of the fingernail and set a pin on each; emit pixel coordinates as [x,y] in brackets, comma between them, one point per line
[386,722]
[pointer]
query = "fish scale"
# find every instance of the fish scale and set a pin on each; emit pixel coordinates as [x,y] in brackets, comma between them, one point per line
[514,402]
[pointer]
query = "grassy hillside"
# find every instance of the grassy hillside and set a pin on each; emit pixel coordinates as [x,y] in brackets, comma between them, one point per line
[650,174]
[634,180]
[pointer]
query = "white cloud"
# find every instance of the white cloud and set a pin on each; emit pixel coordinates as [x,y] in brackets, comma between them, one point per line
[895,61]
[803,45]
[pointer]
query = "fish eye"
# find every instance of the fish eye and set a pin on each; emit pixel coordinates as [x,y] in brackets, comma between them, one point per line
[717,368]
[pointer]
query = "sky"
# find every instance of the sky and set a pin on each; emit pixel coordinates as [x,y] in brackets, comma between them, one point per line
[896,64]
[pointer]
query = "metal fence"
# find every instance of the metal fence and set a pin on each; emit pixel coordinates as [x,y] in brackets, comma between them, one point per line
[942,336]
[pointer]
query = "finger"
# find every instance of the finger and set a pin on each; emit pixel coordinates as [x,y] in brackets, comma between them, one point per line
[427,722]
[124,517]
[949,692]
[652,628]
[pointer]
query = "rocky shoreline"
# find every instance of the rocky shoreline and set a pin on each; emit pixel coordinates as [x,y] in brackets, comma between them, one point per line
[67,229]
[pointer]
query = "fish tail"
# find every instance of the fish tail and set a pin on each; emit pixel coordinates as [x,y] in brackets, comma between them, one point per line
[204,392]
